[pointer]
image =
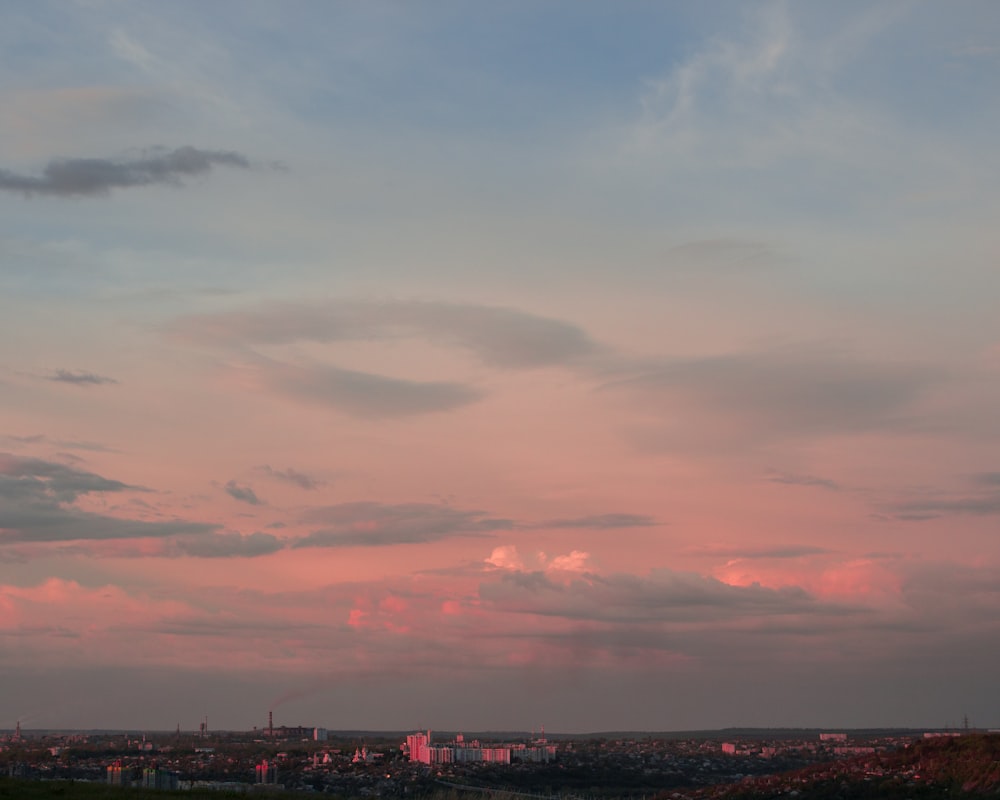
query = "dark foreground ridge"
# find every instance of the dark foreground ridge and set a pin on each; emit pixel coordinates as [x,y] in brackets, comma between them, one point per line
[14,789]
[943,767]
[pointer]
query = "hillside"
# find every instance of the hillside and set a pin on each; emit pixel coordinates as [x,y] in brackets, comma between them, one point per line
[965,766]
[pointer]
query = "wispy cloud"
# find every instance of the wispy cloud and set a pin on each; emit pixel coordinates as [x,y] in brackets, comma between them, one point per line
[803,480]
[242,493]
[747,398]
[69,177]
[79,378]
[601,522]
[771,81]
[292,476]
[723,253]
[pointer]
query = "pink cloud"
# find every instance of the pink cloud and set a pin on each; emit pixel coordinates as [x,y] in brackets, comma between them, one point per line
[576,561]
[505,557]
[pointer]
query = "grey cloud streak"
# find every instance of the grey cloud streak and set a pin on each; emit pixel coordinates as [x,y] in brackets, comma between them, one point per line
[79,378]
[41,438]
[69,177]
[227,545]
[804,480]
[601,522]
[918,510]
[773,551]
[366,524]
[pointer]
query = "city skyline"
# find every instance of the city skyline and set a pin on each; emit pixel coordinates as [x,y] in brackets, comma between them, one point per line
[399,366]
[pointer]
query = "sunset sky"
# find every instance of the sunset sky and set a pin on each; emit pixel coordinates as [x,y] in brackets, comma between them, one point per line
[601,366]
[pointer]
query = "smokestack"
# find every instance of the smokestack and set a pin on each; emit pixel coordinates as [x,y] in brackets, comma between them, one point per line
[270,724]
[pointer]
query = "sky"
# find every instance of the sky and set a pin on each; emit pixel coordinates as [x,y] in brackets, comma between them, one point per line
[601,366]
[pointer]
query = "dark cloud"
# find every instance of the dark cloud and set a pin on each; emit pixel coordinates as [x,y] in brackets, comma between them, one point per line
[804,480]
[242,493]
[79,378]
[36,500]
[69,177]
[367,524]
[987,478]
[292,476]
[500,337]
[63,484]
[229,545]
[601,522]
[363,394]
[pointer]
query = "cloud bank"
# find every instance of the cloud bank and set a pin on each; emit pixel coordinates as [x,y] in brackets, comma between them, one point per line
[497,336]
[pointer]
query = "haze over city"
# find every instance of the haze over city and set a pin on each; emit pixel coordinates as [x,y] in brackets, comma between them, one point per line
[601,366]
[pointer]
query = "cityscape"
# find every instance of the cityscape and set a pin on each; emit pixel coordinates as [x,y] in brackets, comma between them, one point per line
[298,759]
